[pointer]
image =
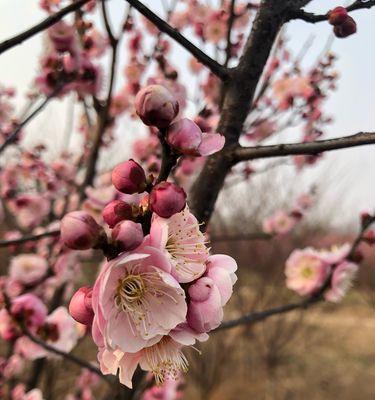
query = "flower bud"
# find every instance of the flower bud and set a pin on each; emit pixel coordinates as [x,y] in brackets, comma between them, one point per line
[347,28]
[204,312]
[117,211]
[80,306]
[129,177]
[79,231]
[156,106]
[337,16]
[167,199]
[62,36]
[127,235]
[184,136]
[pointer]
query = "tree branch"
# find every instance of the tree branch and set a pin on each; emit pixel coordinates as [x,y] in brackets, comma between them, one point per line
[163,26]
[306,303]
[238,95]
[46,23]
[244,236]
[258,316]
[314,18]
[103,114]
[13,136]
[29,238]
[67,356]
[308,148]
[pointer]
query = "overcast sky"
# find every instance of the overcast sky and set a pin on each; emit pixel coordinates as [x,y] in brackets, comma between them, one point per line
[352,106]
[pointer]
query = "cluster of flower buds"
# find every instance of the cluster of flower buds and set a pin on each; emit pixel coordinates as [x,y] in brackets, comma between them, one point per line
[156,106]
[344,24]
[160,289]
[68,66]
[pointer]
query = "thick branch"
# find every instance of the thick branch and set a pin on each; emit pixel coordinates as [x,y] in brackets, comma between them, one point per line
[46,23]
[239,91]
[163,26]
[314,18]
[309,148]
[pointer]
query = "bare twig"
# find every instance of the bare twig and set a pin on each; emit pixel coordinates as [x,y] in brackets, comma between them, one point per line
[29,238]
[314,18]
[46,23]
[163,26]
[306,303]
[103,112]
[67,356]
[13,136]
[309,148]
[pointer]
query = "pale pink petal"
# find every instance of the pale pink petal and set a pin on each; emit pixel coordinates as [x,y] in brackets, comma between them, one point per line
[211,143]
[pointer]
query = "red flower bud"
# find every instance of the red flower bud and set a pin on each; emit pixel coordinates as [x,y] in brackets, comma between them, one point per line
[80,307]
[117,211]
[167,199]
[337,16]
[129,177]
[127,235]
[79,231]
[156,106]
[347,28]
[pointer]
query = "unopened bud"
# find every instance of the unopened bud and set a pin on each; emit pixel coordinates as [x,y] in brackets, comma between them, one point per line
[129,177]
[79,231]
[167,199]
[156,106]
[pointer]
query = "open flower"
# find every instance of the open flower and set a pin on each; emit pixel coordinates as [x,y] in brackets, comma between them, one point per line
[181,240]
[136,300]
[306,271]
[164,359]
[28,268]
[342,280]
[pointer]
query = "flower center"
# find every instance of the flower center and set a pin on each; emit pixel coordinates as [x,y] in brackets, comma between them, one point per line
[166,360]
[307,272]
[130,291]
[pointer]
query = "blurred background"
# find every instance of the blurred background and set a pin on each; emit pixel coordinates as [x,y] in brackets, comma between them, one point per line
[324,353]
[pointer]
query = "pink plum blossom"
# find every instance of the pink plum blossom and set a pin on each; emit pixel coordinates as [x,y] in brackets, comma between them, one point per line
[136,301]
[30,309]
[279,223]
[180,238]
[306,271]
[62,333]
[28,268]
[342,280]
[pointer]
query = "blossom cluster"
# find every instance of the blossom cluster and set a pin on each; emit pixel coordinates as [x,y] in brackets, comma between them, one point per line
[308,271]
[160,289]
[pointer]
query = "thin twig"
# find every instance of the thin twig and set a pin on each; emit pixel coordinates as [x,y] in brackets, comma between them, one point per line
[314,18]
[46,23]
[29,238]
[306,303]
[67,356]
[13,136]
[163,26]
